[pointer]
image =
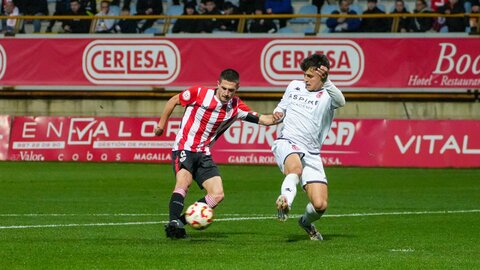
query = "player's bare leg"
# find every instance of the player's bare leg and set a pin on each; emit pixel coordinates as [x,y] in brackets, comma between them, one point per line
[293,168]
[318,196]
[214,188]
[174,229]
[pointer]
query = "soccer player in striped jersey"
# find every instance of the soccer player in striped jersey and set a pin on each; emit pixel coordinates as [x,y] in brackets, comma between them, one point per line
[307,108]
[209,113]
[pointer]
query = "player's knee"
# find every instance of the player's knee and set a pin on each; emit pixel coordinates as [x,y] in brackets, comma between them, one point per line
[319,205]
[294,170]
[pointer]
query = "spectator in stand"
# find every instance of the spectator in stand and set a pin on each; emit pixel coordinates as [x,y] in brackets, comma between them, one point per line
[374,24]
[149,7]
[208,25]
[76,25]
[62,7]
[339,25]
[404,22]
[279,7]
[104,25]
[250,6]
[8,26]
[454,24]
[229,24]
[421,24]
[126,26]
[262,25]
[473,21]
[90,6]
[33,8]
[187,25]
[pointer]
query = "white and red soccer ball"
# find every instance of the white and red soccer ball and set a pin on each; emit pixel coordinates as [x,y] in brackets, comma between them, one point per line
[199,215]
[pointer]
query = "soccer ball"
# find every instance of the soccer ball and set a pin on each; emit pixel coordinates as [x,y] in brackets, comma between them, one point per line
[199,215]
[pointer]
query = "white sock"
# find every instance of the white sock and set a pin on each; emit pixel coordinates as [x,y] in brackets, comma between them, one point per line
[289,187]
[311,214]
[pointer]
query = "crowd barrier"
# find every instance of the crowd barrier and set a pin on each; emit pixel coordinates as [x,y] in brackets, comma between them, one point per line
[350,142]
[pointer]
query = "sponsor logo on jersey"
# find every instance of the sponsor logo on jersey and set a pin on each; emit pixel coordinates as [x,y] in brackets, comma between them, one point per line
[280,60]
[186,95]
[134,62]
[3,61]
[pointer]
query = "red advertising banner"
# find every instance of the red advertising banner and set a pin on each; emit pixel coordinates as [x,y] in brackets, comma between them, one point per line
[87,139]
[383,143]
[433,64]
[4,136]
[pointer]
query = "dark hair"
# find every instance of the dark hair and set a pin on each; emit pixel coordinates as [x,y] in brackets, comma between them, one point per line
[230,75]
[315,60]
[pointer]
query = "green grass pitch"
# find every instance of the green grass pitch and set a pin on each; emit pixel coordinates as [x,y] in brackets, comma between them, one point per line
[110,216]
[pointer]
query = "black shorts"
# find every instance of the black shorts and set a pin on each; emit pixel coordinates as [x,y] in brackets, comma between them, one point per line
[201,166]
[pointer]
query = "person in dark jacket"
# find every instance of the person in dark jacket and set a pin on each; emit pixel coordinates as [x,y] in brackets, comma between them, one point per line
[149,7]
[208,25]
[403,22]
[262,25]
[374,24]
[62,7]
[338,25]
[126,26]
[33,8]
[186,25]
[76,25]
[454,7]
[421,24]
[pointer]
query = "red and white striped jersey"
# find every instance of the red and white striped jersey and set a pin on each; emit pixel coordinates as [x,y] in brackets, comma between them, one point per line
[205,119]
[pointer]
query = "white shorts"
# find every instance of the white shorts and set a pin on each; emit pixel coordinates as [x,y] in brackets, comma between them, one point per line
[313,171]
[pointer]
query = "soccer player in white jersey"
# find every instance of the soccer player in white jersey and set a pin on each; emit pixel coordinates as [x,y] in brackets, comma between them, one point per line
[307,109]
[208,114]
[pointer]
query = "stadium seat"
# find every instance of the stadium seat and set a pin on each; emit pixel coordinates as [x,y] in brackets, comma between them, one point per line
[151,30]
[286,30]
[133,9]
[327,9]
[306,9]
[174,10]
[357,8]
[381,7]
[468,7]
[115,10]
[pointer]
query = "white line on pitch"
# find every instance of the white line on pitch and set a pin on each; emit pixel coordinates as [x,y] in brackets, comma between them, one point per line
[237,219]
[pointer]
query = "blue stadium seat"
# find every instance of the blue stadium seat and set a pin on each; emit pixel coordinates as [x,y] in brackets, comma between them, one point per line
[151,30]
[327,9]
[174,10]
[381,7]
[468,7]
[357,8]
[306,9]
[115,10]
[286,30]
[133,8]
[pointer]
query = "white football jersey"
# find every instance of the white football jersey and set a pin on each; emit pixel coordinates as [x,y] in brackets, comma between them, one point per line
[308,115]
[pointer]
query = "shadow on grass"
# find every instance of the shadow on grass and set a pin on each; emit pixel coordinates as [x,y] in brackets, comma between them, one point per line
[326,237]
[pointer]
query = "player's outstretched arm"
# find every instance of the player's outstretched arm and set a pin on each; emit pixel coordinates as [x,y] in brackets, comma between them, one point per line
[269,119]
[167,111]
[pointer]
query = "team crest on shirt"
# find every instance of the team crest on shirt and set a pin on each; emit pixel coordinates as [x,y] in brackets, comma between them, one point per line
[319,94]
[295,147]
[186,95]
